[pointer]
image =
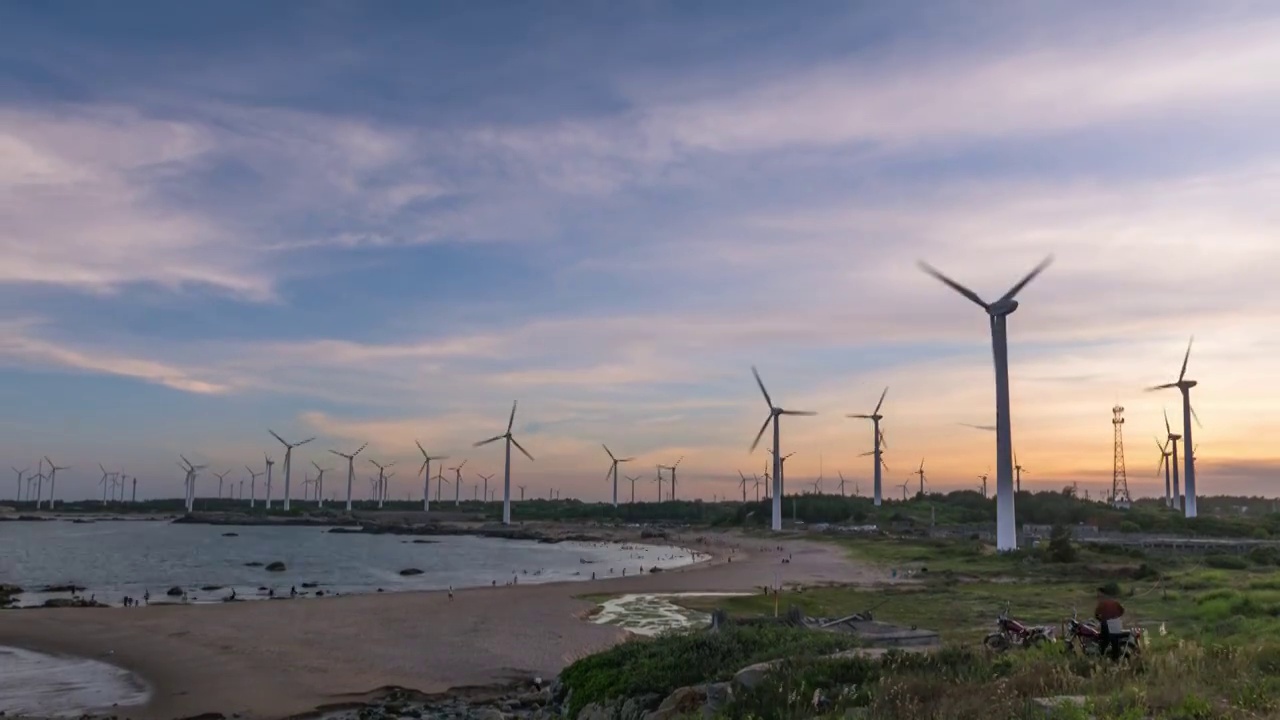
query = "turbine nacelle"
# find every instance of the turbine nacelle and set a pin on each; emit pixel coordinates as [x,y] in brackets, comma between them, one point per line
[1002,307]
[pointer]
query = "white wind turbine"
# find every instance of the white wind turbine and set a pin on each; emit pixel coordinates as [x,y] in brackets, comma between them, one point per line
[221,476]
[253,486]
[192,471]
[288,461]
[672,468]
[522,487]
[486,479]
[775,413]
[875,417]
[351,469]
[426,475]
[53,478]
[320,483]
[457,483]
[267,458]
[632,480]
[506,475]
[842,482]
[24,471]
[1164,465]
[613,470]
[743,484]
[998,312]
[106,479]
[440,481]
[382,479]
[1188,449]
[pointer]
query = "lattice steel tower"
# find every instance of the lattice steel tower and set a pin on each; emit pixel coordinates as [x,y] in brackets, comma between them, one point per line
[1119,483]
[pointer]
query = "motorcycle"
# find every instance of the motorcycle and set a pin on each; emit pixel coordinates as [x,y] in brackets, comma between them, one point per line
[1011,633]
[1087,637]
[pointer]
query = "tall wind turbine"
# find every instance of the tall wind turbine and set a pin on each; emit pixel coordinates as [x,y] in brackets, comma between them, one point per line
[775,413]
[613,470]
[267,458]
[288,461]
[382,479]
[875,417]
[320,483]
[999,311]
[672,468]
[253,486]
[1165,453]
[1189,468]
[506,475]
[53,478]
[18,497]
[920,473]
[351,469]
[457,483]
[426,475]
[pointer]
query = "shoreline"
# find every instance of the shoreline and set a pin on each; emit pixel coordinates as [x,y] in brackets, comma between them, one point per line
[271,660]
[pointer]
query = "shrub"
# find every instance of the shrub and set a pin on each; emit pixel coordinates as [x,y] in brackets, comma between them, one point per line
[1226,562]
[1060,548]
[1146,572]
[1129,527]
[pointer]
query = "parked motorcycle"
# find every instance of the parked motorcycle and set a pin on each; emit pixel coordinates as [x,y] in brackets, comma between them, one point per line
[1012,633]
[1087,638]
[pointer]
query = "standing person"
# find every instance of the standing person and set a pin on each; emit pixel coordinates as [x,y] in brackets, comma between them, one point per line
[1108,612]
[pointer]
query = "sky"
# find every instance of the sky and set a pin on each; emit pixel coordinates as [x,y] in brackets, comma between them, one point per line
[381,222]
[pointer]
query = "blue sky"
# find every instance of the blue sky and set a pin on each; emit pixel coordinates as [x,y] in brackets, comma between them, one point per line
[387,221]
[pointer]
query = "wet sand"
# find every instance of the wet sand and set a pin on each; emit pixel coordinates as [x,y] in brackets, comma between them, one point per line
[278,658]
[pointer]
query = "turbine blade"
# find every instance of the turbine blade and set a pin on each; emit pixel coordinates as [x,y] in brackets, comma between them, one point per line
[335,452]
[953,284]
[1195,417]
[1013,291]
[886,392]
[1185,358]
[863,417]
[521,449]
[869,452]
[274,435]
[1162,387]
[1167,430]
[420,448]
[304,442]
[606,449]
[512,421]
[762,390]
[622,460]
[486,442]
[798,412]
[760,434]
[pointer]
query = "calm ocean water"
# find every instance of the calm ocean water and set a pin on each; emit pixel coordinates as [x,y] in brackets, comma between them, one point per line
[113,559]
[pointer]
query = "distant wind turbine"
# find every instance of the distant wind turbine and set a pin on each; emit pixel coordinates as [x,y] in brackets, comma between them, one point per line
[842,481]
[382,479]
[288,461]
[875,417]
[457,483]
[522,487]
[613,470]
[486,479]
[506,474]
[672,468]
[267,459]
[53,479]
[920,473]
[221,476]
[775,413]
[998,312]
[1164,466]
[426,475]
[319,483]
[104,482]
[633,480]
[1173,439]
[743,485]
[24,471]
[904,487]
[253,486]
[1189,468]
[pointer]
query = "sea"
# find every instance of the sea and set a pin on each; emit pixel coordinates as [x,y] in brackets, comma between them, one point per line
[115,559]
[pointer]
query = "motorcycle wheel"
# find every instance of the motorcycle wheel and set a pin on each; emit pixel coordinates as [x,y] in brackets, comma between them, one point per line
[996,642]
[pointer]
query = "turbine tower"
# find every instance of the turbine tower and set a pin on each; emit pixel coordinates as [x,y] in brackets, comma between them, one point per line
[775,413]
[506,474]
[288,461]
[613,470]
[1119,480]
[875,417]
[253,486]
[1189,469]
[426,475]
[998,312]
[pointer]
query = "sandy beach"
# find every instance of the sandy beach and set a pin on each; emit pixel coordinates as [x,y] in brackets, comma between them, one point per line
[275,659]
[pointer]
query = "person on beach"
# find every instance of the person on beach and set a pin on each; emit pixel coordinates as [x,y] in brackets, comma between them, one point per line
[146,597]
[450,592]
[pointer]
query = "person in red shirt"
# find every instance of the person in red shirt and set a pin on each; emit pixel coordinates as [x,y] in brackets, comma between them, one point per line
[1108,612]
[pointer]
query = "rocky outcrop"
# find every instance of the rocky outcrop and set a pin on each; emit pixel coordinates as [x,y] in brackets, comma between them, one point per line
[410,571]
[76,602]
[67,588]
[276,566]
[174,591]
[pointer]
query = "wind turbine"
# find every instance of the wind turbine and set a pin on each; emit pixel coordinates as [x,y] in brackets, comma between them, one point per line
[633,488]
[757,482]
[24,471]
[320,483]
[775,413]
[841,474]
[307,482]
[1189,468]
[920,473]
[613,469]
[1173,439]
[1165,453]
[998,312]
[457,483]
[672,468]
[270,462]
[486,479]
[506,474]
[875,417]
[904,489]
[53,478]
[253,486]
[983,478]
[220,477]
[440,481]
[782,471]
[288,461]
[522,487]
[743,485]
[659,481]
[426,475]
[1018,469]
[382,479]
[192,470]
[106,478]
